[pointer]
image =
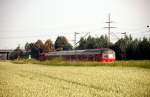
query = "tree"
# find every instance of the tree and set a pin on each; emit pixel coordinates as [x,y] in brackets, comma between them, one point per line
[91,43]
[67,46]
[39,44]
[16,54]
[102,42]
[117,50]
[48,46]
[131,50]
[34,49]
[122,45]
[61,43]
[143,49]
[27,46]
[82,43]
[35,52]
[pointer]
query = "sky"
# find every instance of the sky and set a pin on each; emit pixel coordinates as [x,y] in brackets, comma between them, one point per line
[24,21]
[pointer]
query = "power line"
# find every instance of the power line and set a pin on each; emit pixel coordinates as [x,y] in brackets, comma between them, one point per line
[88,33]
[109,27]
[28,36]
[116,36]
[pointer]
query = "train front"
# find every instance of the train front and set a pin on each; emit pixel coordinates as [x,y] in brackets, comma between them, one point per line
[108,56]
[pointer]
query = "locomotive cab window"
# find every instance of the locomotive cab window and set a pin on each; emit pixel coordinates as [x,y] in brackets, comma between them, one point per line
[105,55]
[108,54]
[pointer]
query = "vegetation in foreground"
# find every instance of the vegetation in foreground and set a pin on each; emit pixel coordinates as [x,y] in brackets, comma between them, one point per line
[32,80]
[61,62]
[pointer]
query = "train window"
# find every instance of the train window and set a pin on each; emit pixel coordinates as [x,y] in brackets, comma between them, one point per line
[108,56]
[105,55]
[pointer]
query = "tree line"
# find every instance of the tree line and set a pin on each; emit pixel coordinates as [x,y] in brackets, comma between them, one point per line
[35,48]
[126,48]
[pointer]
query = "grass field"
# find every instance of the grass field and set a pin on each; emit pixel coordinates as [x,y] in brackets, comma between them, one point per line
[61,62]
[33,80]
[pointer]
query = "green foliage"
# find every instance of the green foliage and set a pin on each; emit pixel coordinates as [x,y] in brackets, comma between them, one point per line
[131,50]
[143,49]
[122,45]
[38,47]
[125,48]
[92,43]
[82,43]
[16,54]
[62,43]
[39,44]
[68,46]
[48,46]
[34,49]
[102,42]
[61,62]
[35,52]
[27,46]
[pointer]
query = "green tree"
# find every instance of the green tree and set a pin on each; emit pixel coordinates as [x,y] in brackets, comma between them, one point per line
[102,42]
[82,43]
[27,46]
[48,46]
[90,43]
[16,54]
[68,46]
[122,45]
[62,43]
[39,44]
[143,49]
[131,50]
[34,49]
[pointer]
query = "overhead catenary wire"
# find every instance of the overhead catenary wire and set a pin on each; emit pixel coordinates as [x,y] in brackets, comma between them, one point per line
[47,34]
[29,36]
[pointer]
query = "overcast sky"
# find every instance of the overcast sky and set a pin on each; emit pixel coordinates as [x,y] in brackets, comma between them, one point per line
[24,21]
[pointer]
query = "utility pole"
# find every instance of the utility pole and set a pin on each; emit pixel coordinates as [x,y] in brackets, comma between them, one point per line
[109,27]
[75,35]
[124,33]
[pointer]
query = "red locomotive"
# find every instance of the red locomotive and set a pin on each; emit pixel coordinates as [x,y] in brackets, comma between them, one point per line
[102,54]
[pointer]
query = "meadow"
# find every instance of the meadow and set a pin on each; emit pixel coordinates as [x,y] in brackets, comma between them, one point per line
[55,78]
[61,62]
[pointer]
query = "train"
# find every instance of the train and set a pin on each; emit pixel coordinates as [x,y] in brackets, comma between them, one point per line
[100,54]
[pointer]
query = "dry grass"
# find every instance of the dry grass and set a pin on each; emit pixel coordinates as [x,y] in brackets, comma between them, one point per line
[60,62]
[31,80]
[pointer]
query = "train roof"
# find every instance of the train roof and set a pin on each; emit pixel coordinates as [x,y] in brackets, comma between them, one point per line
[79,52]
